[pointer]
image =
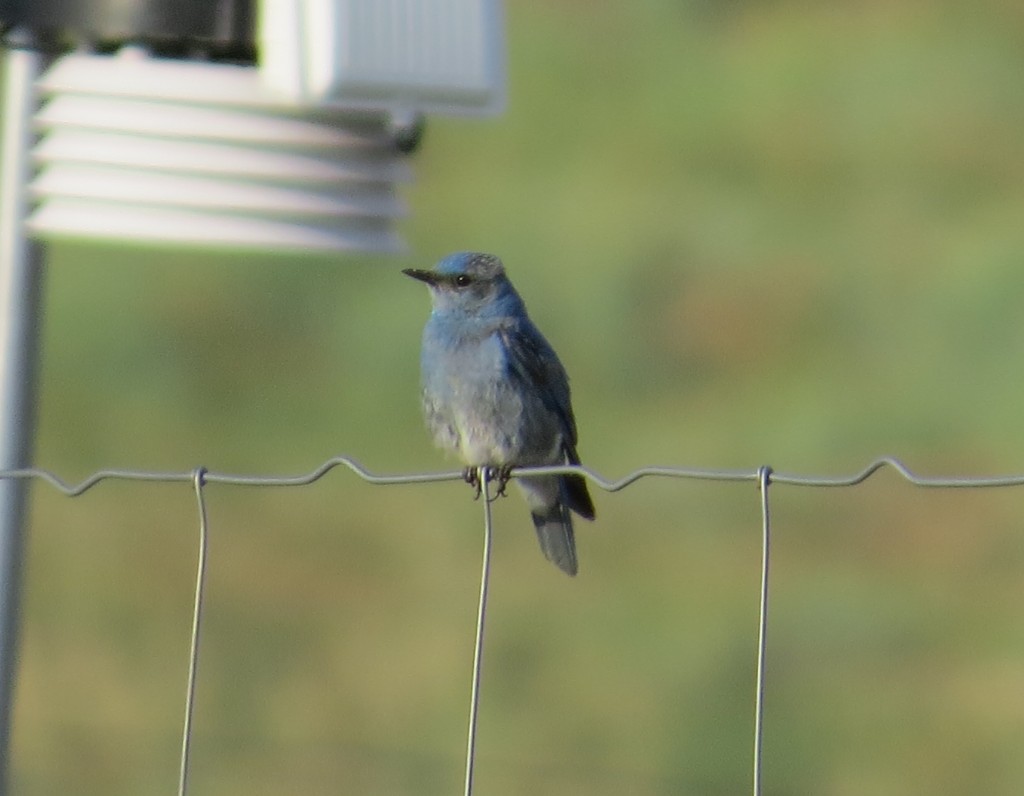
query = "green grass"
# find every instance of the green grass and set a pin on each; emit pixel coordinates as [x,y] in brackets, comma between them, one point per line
[756,233]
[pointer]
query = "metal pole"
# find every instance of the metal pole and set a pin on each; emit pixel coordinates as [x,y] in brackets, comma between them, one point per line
[20,287]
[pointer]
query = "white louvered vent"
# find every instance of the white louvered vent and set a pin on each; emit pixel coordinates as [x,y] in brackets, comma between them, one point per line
[184,152]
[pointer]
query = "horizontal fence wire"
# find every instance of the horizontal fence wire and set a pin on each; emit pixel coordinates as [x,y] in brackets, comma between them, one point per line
[73,489]
[763,477]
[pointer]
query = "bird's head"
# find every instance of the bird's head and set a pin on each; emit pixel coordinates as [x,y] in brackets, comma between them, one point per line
[468,283]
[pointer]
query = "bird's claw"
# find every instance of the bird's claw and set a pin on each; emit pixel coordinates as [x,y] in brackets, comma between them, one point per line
[501,475]
[471,475]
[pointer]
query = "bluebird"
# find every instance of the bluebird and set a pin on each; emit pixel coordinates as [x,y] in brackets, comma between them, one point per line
[495,394]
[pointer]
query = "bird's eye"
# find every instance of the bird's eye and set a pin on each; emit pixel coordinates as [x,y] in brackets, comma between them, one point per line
[462,280]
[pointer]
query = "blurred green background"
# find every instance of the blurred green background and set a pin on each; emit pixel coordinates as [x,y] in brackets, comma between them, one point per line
[757,233]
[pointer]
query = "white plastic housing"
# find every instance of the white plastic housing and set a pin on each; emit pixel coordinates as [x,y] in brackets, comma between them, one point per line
[435,56]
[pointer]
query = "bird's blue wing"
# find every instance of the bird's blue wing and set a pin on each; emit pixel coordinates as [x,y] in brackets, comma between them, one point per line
[532,361]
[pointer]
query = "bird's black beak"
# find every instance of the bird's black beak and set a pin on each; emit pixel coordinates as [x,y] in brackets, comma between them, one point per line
[424,276]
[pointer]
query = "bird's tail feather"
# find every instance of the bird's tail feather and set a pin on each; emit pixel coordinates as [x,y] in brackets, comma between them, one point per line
[575,494]
[574,488]
[555,534]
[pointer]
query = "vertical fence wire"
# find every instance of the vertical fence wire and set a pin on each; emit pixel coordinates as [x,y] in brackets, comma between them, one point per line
[481,616]
[198,482]
[764,477]
[763,482]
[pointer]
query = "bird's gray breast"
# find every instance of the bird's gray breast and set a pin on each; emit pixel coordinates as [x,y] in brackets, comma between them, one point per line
[479,411]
